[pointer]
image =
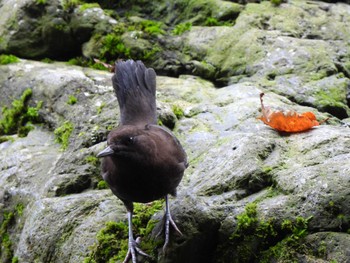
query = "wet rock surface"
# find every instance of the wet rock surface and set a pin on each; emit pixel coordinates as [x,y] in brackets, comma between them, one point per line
[294,53]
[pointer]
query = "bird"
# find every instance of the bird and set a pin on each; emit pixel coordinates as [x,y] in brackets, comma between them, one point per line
[143,161]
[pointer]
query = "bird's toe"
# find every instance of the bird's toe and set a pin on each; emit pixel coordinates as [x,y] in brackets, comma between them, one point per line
[134,250]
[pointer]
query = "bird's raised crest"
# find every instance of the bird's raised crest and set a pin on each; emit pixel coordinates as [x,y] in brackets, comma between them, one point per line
[135,88]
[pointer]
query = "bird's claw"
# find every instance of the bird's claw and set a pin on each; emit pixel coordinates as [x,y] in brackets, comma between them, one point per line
[169,221]
[134,250]
[172,222]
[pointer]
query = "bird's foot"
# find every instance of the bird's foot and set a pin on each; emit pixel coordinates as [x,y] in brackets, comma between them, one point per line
[134,250]
[169,221]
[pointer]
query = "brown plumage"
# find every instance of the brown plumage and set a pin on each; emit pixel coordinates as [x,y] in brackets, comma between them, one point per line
[143,161]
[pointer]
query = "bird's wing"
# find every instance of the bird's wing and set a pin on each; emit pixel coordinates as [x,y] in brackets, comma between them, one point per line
[181,154]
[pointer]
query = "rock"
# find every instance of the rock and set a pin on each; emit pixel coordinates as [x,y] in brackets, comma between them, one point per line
[62,229]
[273,54]
[31,29]
[307,171]
[330,246]
[181,11]
[249,193]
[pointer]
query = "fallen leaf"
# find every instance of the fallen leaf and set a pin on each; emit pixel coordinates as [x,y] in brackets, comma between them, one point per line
[290,121]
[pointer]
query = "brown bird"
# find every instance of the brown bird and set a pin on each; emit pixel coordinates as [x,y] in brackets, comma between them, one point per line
[143,162]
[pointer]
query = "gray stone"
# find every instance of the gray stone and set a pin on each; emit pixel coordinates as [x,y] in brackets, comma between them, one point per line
[293,53]
[49,30]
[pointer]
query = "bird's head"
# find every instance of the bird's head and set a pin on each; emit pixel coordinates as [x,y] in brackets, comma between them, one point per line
[126,141]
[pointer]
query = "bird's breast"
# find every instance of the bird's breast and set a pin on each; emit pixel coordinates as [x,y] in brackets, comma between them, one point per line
[138,182]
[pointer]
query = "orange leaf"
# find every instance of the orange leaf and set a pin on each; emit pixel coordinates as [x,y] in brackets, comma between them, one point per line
[289,121]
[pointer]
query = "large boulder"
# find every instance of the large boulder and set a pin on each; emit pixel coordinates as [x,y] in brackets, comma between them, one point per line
[250,193]
[49,29]
[235,160]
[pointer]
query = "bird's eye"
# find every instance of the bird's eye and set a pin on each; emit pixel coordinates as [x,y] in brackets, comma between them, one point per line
[129,140]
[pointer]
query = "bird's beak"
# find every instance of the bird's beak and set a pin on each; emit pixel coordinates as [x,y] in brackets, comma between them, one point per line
[105,152]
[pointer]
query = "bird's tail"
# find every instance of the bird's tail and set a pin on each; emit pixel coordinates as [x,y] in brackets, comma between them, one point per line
[135,88]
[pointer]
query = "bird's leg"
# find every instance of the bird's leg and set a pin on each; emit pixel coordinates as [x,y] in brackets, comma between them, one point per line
[168,220]
[133,244]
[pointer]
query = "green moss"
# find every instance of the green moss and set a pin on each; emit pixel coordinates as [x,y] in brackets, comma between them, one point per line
[40,2]
[142,216]
[152,27]
[263,240]
[70,4]
[148,54]
[141,44]
[61,27]
[179,113]
[246,221]
[2,43]
[74,61]
[9,219]
[287,249]
[102,185]
[47,60]
[100,108]
[267,169]
[8,59]
[159,122]
[343,220]
[211,21]
[322,249]
[6,138]
[93,160]
[85,62]
[250,235]
[19,118]
[112,240]
[113,47]
[72,100]
[63,133]
[333,96]
[276,2]
[272,192]
[83,7]
[182,28]
[19,209]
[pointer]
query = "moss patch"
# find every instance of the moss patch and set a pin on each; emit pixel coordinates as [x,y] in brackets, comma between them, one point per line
[8,59]
[263,240]
[151,27]
[287,249]
[102,185]
[100,107]
[178,111]
[276,2]
[93,160]
[112,241]
[86,62]
[63,133]
[181,28]
[70,4]
[18,119]
[83,7]
[333,96]
[40,2]
[72,100]
[8,221]
[113,47]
